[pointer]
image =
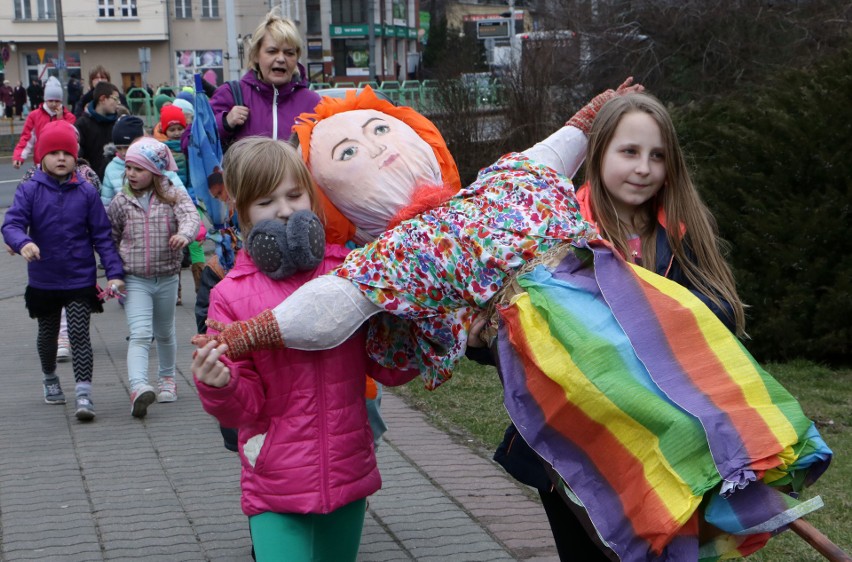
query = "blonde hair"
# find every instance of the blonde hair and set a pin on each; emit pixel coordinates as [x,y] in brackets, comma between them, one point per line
[686,214]
[255,166]
[281,30]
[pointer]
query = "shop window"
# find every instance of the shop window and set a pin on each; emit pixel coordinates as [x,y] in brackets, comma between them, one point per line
[207,62]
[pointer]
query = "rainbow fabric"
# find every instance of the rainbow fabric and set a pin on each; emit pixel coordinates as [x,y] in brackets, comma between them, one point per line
[647,406]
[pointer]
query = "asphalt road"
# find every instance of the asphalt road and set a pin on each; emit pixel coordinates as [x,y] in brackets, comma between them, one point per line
[9,178]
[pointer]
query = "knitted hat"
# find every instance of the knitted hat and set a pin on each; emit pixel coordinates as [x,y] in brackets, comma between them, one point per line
[127,129]
[185,106]
[53,89]
[160,100]
[56,135]
[186,95]
[152,155]
[170,115]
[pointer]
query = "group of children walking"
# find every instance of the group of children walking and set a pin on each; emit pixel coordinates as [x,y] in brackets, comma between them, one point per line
[139,221]
[297,410]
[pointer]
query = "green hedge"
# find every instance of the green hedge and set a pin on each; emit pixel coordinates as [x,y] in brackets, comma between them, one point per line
[775,166]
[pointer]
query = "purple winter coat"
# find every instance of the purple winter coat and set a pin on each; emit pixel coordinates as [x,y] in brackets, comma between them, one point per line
[68,223]
[271,113]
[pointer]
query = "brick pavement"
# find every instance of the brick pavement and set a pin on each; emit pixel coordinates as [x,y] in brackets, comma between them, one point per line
[164,488]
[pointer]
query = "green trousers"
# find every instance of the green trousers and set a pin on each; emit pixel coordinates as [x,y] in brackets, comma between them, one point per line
[293,537]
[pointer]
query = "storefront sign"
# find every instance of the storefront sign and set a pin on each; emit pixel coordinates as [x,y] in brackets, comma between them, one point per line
[349,30]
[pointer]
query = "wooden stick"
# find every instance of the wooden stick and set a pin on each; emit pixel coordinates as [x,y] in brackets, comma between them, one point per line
[820,542]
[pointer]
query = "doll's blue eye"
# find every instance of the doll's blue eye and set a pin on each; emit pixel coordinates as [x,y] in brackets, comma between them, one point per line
[348,153]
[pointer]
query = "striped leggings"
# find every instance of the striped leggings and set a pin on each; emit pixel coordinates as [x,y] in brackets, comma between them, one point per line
[77,313]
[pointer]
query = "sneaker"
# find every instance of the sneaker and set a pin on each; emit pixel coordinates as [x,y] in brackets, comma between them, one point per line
[63,350]
[85,408]
[166,390]
[140,398]
[53,393]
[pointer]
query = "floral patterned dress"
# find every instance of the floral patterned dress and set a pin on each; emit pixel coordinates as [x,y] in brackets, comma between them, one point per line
[434,272]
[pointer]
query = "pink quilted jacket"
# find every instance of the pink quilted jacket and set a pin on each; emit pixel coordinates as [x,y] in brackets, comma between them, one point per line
[304,440]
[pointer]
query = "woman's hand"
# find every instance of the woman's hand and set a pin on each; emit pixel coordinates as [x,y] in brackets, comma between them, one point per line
[207,367]
[31,252]
[237,117]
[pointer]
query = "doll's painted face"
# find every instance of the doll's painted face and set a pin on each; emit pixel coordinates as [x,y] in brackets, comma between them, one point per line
[369,164]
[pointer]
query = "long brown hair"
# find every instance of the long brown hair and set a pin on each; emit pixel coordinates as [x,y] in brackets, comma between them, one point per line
[689,221]
[255,166]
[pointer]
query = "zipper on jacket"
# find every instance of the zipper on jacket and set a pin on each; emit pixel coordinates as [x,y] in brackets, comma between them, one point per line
[275,113]
[148,236]
[323,452]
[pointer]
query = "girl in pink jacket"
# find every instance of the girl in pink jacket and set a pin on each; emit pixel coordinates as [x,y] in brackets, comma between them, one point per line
[308,462]
[51,110]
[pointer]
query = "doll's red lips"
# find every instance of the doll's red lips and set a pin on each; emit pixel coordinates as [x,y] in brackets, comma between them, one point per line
[390,160]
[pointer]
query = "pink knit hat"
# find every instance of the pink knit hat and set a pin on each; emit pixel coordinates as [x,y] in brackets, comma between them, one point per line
[151,155]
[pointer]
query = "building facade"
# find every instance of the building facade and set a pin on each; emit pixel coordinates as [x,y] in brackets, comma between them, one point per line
[164,42]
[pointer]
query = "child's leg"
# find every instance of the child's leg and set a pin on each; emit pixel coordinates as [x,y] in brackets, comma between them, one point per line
[305,538]
[139,308]
[48,331]
[164,323]
[164,333]
[79,313]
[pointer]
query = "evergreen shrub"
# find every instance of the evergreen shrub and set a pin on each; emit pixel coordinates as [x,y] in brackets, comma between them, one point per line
[775,167]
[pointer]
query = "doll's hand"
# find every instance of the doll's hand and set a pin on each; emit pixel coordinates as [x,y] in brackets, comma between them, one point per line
[31,252]
[260,332]
[583,119]
[178,242]
[206,366]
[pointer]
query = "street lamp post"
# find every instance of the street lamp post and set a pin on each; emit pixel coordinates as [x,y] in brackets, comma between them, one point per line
[60,33]
[241,49]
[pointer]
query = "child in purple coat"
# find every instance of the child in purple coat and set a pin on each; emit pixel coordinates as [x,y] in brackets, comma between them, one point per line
[56,222]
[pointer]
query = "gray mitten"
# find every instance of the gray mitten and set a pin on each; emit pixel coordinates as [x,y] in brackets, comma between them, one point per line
[279,250]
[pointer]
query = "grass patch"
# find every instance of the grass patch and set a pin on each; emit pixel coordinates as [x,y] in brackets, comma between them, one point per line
[470,406]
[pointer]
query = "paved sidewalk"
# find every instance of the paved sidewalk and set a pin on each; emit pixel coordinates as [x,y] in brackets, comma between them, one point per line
[164,488]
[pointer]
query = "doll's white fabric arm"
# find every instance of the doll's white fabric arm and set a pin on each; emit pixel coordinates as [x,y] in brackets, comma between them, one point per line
[563,151]
[322,313]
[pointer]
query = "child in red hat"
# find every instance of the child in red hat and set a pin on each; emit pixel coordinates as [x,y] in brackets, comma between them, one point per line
[56,222]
